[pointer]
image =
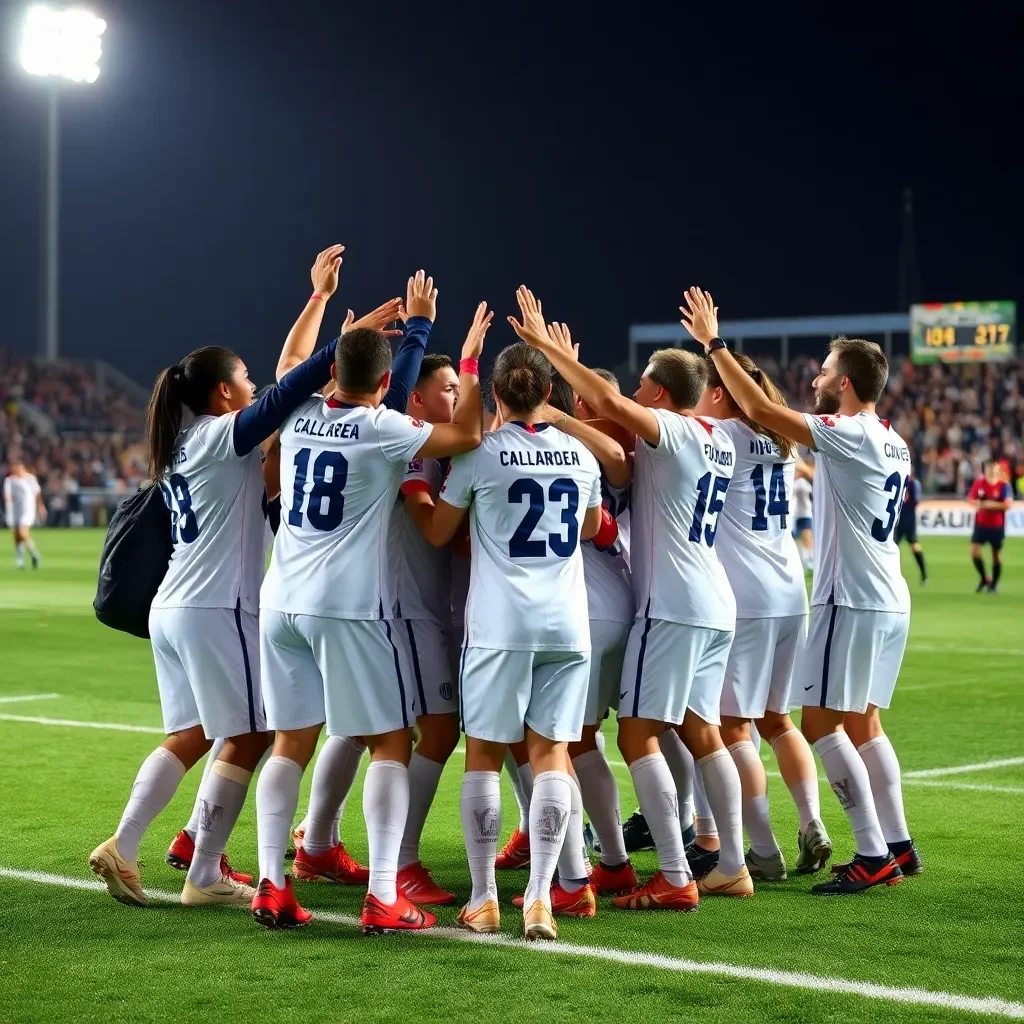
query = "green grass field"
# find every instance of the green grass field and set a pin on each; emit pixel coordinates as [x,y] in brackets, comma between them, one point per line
[948,945]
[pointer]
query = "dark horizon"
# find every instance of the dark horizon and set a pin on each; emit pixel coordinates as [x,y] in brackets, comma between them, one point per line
[608,161]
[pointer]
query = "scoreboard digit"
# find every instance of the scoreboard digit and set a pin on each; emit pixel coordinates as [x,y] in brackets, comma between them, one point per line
[957,332]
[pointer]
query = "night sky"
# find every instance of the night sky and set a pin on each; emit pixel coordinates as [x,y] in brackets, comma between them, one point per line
[608,157]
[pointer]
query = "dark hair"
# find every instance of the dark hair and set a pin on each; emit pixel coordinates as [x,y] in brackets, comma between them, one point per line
[562,397]
[608,376]
[432,362]
[767,385]
[363,357]
[522,377]
[187,384]
[864,363]
[683,375]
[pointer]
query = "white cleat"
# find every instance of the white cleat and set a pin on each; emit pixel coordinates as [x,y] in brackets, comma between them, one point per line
[225,892]
[120,876]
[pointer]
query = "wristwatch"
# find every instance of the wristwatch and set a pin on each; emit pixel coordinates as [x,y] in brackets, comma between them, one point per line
[715,344]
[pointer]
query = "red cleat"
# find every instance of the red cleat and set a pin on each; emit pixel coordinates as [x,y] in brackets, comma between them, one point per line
[415,881]
[581,903]
[182,850]
[336,865]
[660,894]
[613,881]
[278,908]
[402,915]
[515,854]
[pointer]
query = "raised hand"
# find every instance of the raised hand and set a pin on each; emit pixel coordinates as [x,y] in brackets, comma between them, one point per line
[421,296]
[700,315]
[324,272]
[474,343]
[533,329]
[559,336]
[377,319]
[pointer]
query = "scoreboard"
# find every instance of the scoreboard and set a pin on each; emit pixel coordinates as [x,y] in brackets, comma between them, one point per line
[961,332]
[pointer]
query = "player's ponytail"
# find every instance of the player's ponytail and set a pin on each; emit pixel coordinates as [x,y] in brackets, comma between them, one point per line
[186,384]
[522,379]
[771,391]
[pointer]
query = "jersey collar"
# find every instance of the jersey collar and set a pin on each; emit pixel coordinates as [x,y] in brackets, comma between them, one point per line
[530,428]
[333,403]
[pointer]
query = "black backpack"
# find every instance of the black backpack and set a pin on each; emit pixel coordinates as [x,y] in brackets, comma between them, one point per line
[134,562]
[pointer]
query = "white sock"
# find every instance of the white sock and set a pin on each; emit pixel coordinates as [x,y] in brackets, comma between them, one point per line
[221,796]
[152,790]
[522,792]
[277,796]
[656,794]
[30,546]
[480,808]
[601,799]
[754,787]
[705,817]
[680,764]
[803,791]
[886,787]
[192,826]
[600,740]
[424,776]
[725,795]
[550,807]
[573,863]
[333,775]
[385,808]
[848,777]
[19,554]
[755,738]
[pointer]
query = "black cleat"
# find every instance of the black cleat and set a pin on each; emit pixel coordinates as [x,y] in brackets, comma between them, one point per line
[907,857]
[982,586]
[702,862]
[635,833]
[861,873]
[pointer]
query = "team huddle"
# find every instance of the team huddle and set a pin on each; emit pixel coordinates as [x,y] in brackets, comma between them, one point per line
[589,554]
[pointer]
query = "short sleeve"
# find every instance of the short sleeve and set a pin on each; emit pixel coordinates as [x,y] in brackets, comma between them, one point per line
[457,489]
[1007,491]
[975,491]
[216,435]
[673,433]
[36,489]
[418,477]
[400,436]
[596,497]
[836,437]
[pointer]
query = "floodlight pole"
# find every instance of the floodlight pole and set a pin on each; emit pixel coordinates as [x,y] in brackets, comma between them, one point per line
[49,342]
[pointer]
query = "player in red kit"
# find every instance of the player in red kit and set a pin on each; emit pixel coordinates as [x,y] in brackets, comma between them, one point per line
[991,496]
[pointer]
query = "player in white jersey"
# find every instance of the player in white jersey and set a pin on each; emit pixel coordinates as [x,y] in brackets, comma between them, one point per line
[860,607]
[763,566]
[534,494]
[23,499]
[326,637]
[679,642]
[203,620]
[803,515]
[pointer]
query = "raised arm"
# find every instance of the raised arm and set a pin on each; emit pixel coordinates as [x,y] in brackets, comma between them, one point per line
[419,314]
[601,395]
[605,449]
[301,340]
[700,318]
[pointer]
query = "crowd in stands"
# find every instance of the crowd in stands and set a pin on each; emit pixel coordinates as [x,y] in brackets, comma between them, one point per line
[89,434]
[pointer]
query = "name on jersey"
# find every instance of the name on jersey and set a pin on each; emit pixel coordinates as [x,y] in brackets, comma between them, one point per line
[717,456]
[898,452]
[563,458]
[178,457]
[763,446]
[318,428]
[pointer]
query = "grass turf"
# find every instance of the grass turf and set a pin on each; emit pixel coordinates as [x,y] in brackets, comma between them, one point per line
[75,954]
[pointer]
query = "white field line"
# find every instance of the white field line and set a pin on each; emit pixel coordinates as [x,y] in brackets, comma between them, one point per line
[942,649]
[72,723]
[28,696]
[981,766]
[988,1005]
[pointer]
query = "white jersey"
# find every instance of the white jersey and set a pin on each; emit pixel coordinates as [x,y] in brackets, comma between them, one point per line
[217,520]
[802,498]
[421,573]
[527,489]
[609,588]
[341,467]
[860,481]
[21,495]
[679,489]
[754,539]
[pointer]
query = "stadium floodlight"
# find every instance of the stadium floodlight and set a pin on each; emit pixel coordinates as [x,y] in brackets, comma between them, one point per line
[57,44]
[62,43]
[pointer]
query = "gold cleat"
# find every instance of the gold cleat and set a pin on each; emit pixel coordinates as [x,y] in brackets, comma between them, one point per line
[716,883]
[225,892]
[485,920]
[121,876]
[539,922]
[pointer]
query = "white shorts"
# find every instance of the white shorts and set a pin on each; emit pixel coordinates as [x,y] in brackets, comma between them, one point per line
[23,520]
[759,674]
[345,672]
[208,670]
[428,653]
[852,658]
[607,650]
[502,691]
[670,667]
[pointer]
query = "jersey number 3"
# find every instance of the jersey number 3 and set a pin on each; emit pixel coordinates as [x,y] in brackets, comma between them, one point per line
[527,489]
[326,500]
[898,488]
